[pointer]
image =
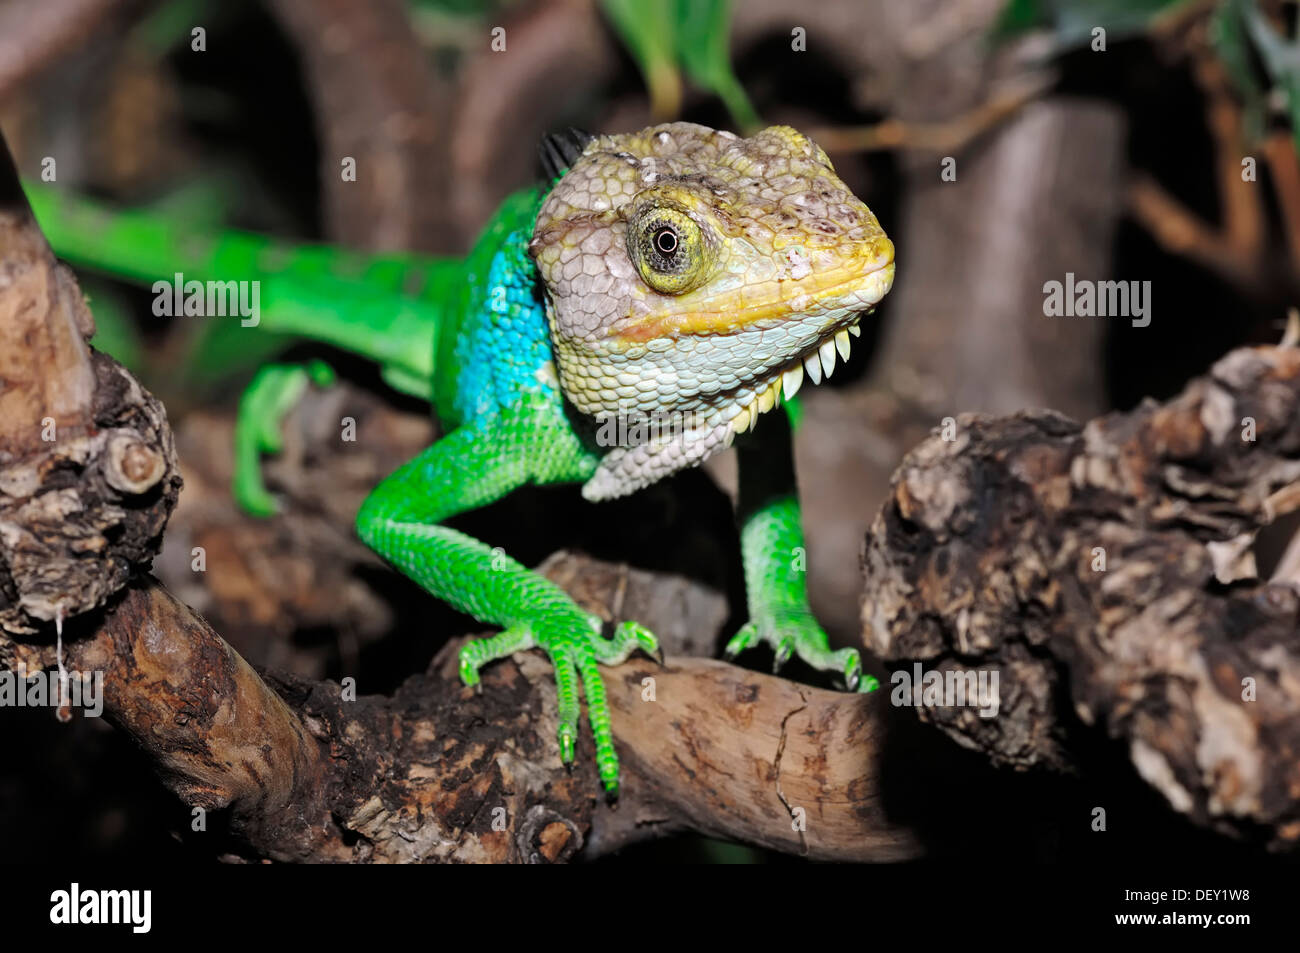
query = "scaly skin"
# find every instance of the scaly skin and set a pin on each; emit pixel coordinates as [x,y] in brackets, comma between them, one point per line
[676,276]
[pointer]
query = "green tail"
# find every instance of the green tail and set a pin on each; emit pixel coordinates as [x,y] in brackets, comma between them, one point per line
[313,291]
[140,246]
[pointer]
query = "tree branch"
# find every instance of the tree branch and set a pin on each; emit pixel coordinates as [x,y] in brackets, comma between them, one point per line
[88,471]
[1105,573]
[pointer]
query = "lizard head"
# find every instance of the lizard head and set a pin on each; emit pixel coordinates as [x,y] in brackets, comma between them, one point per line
[693,273]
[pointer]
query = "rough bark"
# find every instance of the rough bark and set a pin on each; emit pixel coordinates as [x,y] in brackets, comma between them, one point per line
[219,738]
[1104,571]
[88,471]
[439,772]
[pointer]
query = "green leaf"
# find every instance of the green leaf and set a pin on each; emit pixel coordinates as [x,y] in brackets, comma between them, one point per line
[1280,56]
[648,29]
[460,8]
[222,349]
[1232,44]
[169,25]
[704,49]
[1292,87]
[669,36]
[1020,16]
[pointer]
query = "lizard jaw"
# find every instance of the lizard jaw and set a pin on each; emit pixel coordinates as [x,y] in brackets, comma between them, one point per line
[712,421]
[817,363]
[714,427]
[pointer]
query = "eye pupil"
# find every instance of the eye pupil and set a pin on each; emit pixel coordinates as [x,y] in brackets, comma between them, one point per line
[670,249]
[665,240]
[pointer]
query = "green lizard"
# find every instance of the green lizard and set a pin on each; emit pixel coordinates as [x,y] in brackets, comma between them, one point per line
[628,320]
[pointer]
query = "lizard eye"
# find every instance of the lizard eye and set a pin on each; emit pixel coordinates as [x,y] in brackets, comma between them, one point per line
[668,249]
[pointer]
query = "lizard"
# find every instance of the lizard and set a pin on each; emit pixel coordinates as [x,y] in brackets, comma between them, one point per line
[679,281]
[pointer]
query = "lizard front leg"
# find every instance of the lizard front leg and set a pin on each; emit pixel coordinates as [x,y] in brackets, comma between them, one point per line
[262,409]
[772,551]
[380,328]
[469,468]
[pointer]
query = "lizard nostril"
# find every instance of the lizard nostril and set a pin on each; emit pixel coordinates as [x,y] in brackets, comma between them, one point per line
[880,251]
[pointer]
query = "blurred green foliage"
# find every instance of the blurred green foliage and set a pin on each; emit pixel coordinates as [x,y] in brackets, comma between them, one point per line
[1246,42]
[169,24]
[1261,62]
[667,37]
[459,8]
[115,331]
[1072,21]
[671,41]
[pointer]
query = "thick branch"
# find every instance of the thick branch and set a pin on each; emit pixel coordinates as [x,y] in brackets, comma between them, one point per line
[220,738]
[438,772]
[88,470]
[1105,572]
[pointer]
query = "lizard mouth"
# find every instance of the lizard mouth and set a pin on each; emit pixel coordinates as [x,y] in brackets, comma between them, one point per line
[624,468]
[816,364]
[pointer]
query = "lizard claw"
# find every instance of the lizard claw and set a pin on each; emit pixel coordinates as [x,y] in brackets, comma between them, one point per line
[747,637]
[573,640]
[784,649]
[566,750]
[853,672]
[629,637]
[797,633]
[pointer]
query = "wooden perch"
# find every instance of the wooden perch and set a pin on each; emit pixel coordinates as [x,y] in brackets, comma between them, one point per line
[218,736]
[88,471]
[438,772]
[1105,572]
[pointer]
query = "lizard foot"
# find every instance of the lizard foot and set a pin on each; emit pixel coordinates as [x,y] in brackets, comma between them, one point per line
[262,409]
[572,638]
[796,632]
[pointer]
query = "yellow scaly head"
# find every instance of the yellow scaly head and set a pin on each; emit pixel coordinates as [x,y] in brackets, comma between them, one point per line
[692,272]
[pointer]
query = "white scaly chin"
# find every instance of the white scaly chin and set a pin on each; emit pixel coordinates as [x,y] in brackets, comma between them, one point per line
[712,428]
